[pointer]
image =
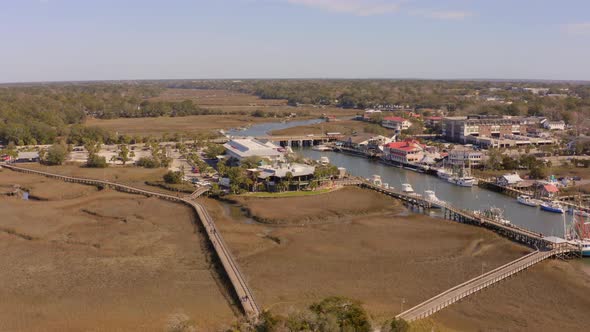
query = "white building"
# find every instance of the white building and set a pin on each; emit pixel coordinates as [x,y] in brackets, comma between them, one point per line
[553,125]
[248,147]
[395,122]
[464,156]
[509,180]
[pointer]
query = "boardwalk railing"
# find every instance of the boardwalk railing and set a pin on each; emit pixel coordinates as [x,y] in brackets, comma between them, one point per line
[476,284]
[248,303]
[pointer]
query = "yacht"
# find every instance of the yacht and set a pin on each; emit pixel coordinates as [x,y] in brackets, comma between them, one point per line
[407,188]
[527,200]
[321,148]
[553,207]
[324,160]
[430,196]
[463,181]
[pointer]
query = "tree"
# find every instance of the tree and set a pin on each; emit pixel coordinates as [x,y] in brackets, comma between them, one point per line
[56,155]
[349,314]
[173,177]
[399,325]
[96,161]
[538,172]
[288,179]
[124,154]
[214,150]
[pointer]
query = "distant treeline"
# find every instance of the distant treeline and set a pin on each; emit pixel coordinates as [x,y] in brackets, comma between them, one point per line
[455,97]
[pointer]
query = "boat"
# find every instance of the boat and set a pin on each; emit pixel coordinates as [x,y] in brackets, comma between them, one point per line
[407,188]
[553,207]
[527,200]
[493,213]
[579,233]
[430,196]
[581,213]
[324,160]
[444,173]
[321,148]
[463,181]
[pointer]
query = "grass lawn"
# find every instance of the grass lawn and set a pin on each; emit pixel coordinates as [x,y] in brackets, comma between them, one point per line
[287,194]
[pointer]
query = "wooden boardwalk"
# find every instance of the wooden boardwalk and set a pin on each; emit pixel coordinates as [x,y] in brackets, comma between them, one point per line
[236,277]
[476,284]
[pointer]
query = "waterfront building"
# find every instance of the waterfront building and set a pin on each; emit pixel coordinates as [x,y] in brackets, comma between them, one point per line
[271,175]
[465,156]
[509,180]
[249,147]
[409,151]
[396,123]
[461,128]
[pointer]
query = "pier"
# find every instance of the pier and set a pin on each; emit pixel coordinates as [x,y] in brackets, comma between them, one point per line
[233,272]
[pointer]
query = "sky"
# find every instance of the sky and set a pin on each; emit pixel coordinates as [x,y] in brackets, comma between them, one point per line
[63,40]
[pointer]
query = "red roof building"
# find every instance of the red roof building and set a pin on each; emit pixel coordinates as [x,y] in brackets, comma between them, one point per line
[409,151]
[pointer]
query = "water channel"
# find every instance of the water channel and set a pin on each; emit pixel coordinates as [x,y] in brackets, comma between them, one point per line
[474,198]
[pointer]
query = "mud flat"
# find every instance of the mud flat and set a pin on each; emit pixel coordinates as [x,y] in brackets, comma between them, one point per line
[373,251]
[103,261]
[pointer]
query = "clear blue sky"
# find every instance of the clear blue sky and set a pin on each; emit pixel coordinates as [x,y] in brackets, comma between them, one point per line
[49,40]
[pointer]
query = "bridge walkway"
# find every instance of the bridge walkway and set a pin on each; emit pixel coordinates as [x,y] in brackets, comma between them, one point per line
[244,293]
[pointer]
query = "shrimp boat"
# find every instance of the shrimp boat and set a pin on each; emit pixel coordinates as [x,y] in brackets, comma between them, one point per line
[430,196]
[463,178]
[553,207]
[493,213]
[444,174]
[527,200]
[579,234]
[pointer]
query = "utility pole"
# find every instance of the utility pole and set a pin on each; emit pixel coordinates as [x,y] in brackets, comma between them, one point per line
[402,304]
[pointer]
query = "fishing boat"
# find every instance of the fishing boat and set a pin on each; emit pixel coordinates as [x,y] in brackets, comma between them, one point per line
[528,200]
[553,207]
[493,213]
[430,196]
[407,188]
[579,233]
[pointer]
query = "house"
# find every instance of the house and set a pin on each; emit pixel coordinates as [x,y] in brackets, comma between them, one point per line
[553,125]
[248,147]
[409,151]
[548,190]
[509,180]
[465,157]
[396,123]
[27,157]
[365,142]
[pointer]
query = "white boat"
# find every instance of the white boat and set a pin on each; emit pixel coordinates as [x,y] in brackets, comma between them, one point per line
[527,200]
[444,173]
[321,148]
[407,188]
[493,213]
[463,181]
[553,207]
[579,233]
[324,160]
[430,196]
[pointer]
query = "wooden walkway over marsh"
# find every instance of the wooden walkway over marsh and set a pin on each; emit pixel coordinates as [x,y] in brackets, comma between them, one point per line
[236,277]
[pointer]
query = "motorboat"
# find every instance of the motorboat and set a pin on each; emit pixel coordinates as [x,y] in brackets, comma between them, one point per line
[324,160]
[430,196]
[528,200]
[407,188]
[321,148]
[553,207]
